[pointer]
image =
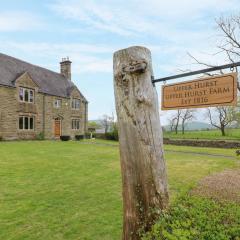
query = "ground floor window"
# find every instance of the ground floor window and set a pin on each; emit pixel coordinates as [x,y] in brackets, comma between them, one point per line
[26,123]
[75,124]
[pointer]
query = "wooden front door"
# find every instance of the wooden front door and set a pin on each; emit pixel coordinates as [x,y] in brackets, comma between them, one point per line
[57,128]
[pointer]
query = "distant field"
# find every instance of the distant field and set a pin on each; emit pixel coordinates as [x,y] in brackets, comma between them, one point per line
[72,190]
[233,134]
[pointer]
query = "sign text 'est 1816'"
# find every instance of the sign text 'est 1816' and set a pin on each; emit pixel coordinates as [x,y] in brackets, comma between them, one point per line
[206,92]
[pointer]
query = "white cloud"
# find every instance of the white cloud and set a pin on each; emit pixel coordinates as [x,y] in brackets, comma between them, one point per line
[97,58]
[135,17]
[105,16]
[85,57]
[185,9]
[18,21]
[57,48]
[178,26]
[169,28]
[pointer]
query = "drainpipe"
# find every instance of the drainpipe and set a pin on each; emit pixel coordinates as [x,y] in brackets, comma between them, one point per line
[43,120]
[1,122]
[86,117]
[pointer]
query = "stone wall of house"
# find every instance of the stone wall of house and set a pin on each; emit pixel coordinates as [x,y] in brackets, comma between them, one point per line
[78,114]
[8,113]
[27,109]
[65,114]
[42,110]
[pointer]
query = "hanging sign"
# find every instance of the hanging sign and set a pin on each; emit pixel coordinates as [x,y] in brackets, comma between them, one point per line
[206,92]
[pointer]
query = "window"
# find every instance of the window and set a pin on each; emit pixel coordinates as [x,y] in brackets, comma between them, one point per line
[26,123]
[57,103]
[21,123]
[75,103]
[31,96]
[76,124]
[21,94]
[26,95]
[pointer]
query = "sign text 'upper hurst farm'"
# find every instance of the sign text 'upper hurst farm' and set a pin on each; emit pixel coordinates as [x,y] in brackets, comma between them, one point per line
[213,91]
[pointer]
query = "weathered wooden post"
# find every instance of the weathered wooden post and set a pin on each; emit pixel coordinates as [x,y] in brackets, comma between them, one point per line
[144,177]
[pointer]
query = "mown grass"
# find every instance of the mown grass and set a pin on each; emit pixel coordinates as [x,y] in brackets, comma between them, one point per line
[231,134]
[72,190]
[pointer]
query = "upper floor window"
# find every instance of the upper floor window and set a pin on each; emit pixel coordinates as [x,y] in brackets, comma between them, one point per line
[26,95]
[26,123]
[57,103]
[75,103]
[75,124]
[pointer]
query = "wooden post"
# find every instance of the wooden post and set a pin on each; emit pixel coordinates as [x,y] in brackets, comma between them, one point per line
[144,177]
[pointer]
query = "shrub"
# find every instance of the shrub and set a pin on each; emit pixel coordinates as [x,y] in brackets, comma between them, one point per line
[100,136]
[1,138]
[79,137]
[237,152]
[113,134]
[40,136]
[65,138]
[88,135]
[197,218]
[109,136]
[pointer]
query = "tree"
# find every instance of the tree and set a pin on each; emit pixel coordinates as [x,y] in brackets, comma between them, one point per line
[114,131]
[221,117]
[186,116]
[171,123]
[237,114]
[229,41]
[176,119]
[93,124]
[230,45]
[106,122]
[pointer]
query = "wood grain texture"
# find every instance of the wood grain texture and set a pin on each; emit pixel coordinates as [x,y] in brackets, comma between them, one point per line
[207,92]
[57,128]
[143,167]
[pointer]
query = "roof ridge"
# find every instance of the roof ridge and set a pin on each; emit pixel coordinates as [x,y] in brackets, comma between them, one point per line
[50,82]
[34,65]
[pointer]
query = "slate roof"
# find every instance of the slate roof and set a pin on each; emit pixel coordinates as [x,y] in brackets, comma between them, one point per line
[49,82]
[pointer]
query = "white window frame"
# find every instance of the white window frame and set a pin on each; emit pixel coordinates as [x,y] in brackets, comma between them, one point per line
[28,123]
[57,103]
[27,95]
[76,103]
[76,124]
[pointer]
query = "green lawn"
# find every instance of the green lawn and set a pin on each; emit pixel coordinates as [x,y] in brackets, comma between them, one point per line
[231,134]
[72,190]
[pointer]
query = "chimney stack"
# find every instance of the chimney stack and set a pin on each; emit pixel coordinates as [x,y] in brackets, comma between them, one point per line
[65,67]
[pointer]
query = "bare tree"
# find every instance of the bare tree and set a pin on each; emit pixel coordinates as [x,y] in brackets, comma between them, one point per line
[237,114]
[106,122]
[221,117]
[230,44]
[186,116]
[229,41]
[171,123]
[177,120]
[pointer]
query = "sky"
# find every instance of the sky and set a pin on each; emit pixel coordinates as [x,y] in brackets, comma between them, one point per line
[89,32]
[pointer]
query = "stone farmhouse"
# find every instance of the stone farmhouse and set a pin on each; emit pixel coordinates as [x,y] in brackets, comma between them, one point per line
[36,102]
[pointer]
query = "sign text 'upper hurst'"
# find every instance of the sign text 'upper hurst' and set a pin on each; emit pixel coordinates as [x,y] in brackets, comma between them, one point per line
[206,92]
